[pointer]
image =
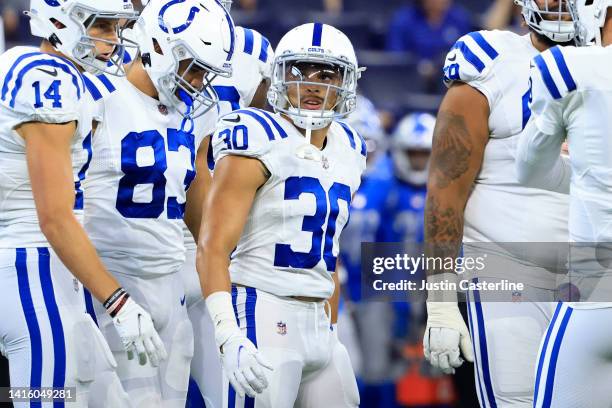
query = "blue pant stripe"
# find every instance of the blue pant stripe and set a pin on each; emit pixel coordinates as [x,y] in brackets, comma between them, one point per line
[486,375]
[550,375]
[89,307]
[543,352]
[231,397]
[251,300]
[57,328]
[31,321]
[194,395]
[476,356]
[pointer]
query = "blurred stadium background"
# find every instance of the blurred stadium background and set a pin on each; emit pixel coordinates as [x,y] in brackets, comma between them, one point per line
[403,44]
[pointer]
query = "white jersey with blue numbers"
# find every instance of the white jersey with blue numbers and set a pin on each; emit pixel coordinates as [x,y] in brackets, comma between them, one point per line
[135,191]
[252,62]
[496,63]
[36,87]
[289,244]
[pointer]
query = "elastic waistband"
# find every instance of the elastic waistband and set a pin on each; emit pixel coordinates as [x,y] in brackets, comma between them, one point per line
[302,302]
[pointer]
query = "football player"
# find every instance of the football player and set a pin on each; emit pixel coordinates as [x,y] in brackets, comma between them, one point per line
[44,138]
[278,202]
[572,98]
[248,85]
[145,149]
[472,187]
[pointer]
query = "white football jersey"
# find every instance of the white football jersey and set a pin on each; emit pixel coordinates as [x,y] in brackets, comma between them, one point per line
[289,244]
[252,62]
[36,87]
[496,63]
[136,187]
[572,97]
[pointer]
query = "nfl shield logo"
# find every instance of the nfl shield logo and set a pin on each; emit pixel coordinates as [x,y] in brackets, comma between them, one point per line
[281,328]
[163,109]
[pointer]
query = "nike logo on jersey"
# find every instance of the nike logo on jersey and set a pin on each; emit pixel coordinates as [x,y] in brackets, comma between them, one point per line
[52,73]
[183,300]
[453,58]
[235,120]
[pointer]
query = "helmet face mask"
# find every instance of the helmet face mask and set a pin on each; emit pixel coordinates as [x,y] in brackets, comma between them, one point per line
[590,17]
[314,85]
[553,19]
[86,51]
[178,85]
[184,46]
[334,81]
[70,25]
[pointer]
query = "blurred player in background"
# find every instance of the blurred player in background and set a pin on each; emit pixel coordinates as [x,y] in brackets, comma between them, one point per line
[44,142]
[472,186]
[572,97]
[248,86]
[366,325]
[278,203]
[145,150]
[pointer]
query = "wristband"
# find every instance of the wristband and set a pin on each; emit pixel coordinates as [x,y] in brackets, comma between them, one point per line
[221,311]
[115,302]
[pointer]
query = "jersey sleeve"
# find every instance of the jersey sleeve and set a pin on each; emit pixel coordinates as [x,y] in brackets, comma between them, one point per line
[99,88]
[551,82]
[249,133]
[47,89]
[357,144]
[470,61]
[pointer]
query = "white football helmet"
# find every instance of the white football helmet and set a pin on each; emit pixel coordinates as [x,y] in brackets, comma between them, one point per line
[590,16]
[413,133]
[227,4]
[171,31]
[366,122]
[75,17]
[314,45]
[550,19]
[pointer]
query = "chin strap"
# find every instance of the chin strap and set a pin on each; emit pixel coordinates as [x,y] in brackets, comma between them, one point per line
[188,101]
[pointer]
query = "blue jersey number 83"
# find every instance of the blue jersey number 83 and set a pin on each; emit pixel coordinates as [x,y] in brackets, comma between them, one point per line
[153,174]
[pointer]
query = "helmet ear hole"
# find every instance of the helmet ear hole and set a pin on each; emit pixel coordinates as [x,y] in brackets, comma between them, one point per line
[58,24]
[157,47]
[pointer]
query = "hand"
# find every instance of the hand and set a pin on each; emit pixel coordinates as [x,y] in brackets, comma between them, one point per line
[244,365]
[445,334]
[137,333]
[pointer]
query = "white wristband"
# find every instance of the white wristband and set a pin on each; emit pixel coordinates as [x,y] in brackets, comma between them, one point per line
[221,311]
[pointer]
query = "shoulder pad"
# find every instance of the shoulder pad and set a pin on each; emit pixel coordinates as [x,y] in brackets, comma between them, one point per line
[550,69]
[246,132]
[98,86]
[252,43]
[470,57]
[43,86]
[353,138]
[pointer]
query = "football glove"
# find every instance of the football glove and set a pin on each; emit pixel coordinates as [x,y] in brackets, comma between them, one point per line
[445,335]
[135,328]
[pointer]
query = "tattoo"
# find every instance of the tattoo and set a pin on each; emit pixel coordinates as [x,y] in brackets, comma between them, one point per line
[451,149]
[442,224]
[443,231]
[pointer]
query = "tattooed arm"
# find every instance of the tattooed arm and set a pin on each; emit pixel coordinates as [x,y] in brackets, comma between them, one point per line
[460,137]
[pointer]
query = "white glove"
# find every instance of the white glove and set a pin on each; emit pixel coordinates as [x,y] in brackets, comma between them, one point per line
[242,362]
[244,366]
[137,333]
[445,334]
